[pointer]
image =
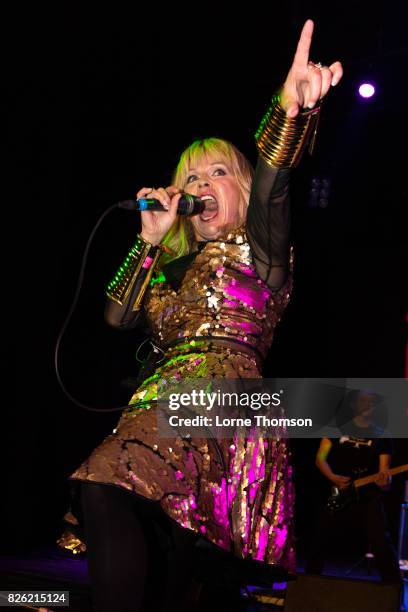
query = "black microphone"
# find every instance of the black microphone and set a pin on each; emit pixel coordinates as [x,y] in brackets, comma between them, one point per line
[188,205]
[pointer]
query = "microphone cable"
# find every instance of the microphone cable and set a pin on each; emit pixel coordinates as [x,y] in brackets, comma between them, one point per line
[68,319]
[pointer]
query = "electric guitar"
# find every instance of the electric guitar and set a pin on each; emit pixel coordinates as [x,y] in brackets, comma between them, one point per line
[340,498]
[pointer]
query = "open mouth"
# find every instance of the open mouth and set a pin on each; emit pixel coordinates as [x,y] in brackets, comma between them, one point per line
[211,208]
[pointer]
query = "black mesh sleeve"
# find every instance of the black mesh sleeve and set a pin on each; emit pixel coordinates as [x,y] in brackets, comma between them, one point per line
[123,317]
[268,223]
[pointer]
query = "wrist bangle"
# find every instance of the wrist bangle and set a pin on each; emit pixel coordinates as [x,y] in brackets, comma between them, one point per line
[281,140]
[137,266]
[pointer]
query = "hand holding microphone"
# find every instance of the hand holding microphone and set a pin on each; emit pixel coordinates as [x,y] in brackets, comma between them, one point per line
[170,202]
[155,225]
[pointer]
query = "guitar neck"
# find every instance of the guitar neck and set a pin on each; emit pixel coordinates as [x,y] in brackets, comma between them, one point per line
[360,482]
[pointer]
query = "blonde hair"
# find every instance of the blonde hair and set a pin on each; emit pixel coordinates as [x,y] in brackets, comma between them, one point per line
[180,238]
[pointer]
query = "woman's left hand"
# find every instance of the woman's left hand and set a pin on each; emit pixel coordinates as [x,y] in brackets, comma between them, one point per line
[384,479]
[307,83]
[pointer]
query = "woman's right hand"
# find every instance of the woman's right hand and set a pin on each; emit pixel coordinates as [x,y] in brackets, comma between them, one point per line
[156,224]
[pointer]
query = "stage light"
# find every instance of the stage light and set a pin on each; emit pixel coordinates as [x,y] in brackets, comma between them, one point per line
[366,90]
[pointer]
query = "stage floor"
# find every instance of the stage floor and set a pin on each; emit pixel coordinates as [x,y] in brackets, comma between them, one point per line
[51,568]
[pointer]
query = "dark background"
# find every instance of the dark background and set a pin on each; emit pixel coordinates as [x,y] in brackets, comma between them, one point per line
[103,100]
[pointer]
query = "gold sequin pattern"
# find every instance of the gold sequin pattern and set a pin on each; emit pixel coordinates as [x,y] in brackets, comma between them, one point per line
[237,493]
[221,296]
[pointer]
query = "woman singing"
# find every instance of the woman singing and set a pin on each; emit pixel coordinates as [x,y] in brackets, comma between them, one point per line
[212,289]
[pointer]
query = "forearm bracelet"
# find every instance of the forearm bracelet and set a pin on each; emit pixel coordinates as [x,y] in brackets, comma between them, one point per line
[136,269]
[281,140]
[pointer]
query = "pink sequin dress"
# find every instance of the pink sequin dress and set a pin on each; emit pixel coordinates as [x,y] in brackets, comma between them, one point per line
[218,321]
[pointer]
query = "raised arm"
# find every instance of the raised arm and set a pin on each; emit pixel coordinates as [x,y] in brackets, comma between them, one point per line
[287,128]
[268,223]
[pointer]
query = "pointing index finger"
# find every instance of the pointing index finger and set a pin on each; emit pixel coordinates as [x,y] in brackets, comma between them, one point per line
[302,51]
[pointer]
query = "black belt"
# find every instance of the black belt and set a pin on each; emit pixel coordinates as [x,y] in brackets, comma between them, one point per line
[219,342]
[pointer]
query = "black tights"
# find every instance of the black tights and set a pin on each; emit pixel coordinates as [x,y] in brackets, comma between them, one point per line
[138,558]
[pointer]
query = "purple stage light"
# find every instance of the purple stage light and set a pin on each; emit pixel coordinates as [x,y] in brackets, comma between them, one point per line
[366,90]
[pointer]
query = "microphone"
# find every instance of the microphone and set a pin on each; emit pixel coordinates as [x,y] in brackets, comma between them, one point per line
[188,205]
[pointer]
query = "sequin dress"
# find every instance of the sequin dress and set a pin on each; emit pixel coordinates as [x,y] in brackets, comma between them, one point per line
[218,321]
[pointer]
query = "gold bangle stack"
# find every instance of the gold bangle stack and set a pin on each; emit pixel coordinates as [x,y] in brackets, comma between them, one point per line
[137,267]
[281,140]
